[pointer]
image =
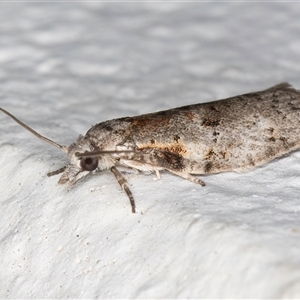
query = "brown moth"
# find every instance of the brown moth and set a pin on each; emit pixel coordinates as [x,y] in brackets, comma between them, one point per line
[234,134]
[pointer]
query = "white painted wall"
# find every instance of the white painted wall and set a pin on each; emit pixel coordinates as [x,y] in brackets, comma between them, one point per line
[67,66]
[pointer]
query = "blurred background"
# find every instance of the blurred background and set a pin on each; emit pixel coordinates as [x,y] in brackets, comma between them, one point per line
[65,66]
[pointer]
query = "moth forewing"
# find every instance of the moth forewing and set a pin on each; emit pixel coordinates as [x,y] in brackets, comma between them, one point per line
[233,134]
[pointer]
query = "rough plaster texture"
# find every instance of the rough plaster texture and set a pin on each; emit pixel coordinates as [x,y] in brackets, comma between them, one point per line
[67,66]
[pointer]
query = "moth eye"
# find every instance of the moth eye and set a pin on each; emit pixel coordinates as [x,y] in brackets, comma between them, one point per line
[89,163]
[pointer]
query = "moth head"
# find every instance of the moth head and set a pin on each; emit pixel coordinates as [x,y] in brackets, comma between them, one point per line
[84,159]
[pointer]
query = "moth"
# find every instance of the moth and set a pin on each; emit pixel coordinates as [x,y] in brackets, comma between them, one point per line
[233,134]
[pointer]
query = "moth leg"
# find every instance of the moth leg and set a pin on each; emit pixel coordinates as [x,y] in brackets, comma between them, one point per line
[56,172]
[188,177]
[157,174]
[123,183]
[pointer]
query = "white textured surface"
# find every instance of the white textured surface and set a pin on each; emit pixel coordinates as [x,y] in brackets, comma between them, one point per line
[67,66]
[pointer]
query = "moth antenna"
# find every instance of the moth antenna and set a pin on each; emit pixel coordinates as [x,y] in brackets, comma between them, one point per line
[63,148]
[100,152]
